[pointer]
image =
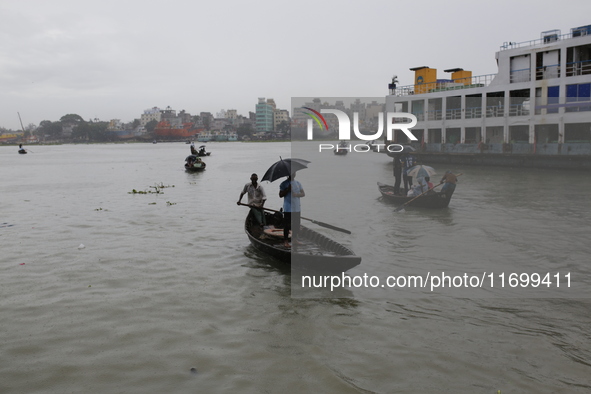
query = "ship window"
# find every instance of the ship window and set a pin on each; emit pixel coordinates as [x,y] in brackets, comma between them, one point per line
[495,104]
[578,60]
[519,133]
[519,102]
[577,132]
[473,106]
[435,109]
[578,97]
[520,69]
[546,133]
[435,136]
[547,64]
[472,135]
[418,109]
[453,135]
[494,135]
[453,107]
[553,97]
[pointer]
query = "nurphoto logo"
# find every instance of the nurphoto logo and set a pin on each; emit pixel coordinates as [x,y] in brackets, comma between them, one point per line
[344,126]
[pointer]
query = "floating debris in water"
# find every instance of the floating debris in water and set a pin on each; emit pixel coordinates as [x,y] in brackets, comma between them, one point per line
[157,189]
[81,246]
[194,371]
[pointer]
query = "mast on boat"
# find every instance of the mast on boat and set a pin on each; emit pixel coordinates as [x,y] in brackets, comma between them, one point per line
[19,118]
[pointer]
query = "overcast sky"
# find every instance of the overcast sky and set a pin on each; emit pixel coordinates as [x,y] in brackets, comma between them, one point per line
[114,59]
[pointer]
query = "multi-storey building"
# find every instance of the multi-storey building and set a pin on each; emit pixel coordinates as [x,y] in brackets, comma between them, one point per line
[149,115]
[264,115]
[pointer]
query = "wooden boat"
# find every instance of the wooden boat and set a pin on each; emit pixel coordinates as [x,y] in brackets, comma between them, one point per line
[22,151]
[317,253]
[194,164]
[429,200]
[342,149]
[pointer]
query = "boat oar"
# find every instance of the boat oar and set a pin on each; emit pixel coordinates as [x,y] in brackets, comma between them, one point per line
[322,224]
[408,202]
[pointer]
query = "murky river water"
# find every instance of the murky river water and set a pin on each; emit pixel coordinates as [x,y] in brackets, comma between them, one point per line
[106,291]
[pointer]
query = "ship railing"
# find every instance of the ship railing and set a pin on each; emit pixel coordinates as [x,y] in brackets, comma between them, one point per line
[473,112]
[548,72]
[521,75]
[540,41]
[578,68]
[495,111]
[477,81]
[521,109]
[453,113]
[420,116]
[434,114]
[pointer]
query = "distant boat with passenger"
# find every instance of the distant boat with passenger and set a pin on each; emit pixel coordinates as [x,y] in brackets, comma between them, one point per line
[432,199]
[193,163]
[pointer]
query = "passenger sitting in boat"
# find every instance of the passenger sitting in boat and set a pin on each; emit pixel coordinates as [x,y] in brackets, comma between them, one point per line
[416,190]
[202,151]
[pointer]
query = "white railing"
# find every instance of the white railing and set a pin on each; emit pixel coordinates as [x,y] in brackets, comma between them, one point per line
[578,68]
[456,84]
[540,41]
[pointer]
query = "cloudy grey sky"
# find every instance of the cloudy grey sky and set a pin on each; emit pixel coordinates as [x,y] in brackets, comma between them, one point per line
[113,59]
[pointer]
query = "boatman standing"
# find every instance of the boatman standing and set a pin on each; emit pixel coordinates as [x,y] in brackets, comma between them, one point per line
[291,191]
[256,198]
[450,182]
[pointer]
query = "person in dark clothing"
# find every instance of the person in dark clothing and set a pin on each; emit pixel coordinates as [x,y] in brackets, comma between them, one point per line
[397,169]
[408,161]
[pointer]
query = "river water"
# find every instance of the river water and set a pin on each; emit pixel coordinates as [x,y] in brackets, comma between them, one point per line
[107,291]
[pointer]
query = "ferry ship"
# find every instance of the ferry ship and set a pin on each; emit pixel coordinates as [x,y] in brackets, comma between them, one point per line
[204,136]
[220,136]
[165,129]
[536,111]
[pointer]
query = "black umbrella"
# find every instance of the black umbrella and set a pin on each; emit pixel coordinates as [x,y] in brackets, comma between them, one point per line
[284,167]
[202,146]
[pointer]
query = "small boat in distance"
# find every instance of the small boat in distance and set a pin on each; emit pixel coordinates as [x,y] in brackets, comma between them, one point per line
[342,148]
[433,199]
[317,253]
[21,150]
[201,152]
[194,163]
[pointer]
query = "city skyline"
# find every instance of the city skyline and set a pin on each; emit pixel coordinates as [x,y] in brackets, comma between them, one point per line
[112,60]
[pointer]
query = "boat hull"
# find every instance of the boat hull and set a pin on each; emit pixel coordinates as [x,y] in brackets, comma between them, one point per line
[318,254]
[437,200]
